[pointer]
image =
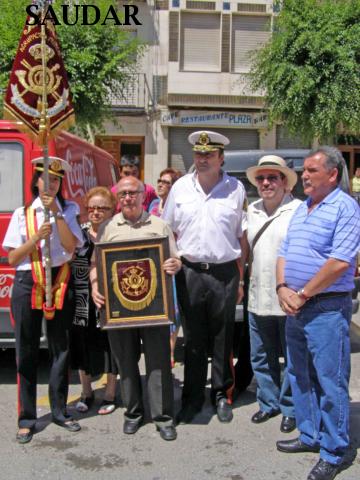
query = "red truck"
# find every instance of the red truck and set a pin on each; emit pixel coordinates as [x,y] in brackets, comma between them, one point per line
[91,166]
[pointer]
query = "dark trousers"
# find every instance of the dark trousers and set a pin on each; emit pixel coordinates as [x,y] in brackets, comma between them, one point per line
[27,334]
[208,301]
[126,348]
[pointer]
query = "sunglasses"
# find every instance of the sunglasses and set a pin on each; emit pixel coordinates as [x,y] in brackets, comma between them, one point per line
[101,209]
[132,194]
[269,178]
[165,182]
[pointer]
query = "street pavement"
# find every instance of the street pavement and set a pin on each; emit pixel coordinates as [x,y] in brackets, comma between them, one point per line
[204,450]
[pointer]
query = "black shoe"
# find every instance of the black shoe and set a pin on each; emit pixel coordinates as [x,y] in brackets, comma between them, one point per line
[131,426]
[323,470]
[167,433]
[69,425]
[260,416]
[295,446]
[187,414]
[224,411]
[288,424]
[26,437]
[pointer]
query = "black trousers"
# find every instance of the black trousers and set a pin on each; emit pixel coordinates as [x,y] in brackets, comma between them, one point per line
[27,335]
[126,348]
[208,301]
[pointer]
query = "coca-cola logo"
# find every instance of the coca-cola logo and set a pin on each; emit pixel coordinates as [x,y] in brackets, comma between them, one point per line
[6,285]
[82,176]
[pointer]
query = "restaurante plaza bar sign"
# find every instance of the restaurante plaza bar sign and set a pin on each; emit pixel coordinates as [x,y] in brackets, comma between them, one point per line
[204,118]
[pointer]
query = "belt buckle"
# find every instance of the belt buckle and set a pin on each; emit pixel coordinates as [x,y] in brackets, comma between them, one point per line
[204,266]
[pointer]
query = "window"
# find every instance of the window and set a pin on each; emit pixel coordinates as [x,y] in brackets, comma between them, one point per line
[11,176]
[200,42]
[248,33]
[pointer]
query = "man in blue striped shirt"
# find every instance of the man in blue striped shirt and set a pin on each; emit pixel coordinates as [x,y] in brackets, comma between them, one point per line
[315,272]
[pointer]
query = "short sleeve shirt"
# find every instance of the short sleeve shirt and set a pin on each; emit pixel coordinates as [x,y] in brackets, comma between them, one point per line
[207,226]
[148,226]
[263,299]
[16,234]
[330,230]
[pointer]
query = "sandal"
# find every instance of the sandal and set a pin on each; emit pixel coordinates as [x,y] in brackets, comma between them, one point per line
[84,403]
[106,407]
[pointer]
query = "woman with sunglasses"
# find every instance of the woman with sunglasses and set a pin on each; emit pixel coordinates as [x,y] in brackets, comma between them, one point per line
[25,241]
[166,180]
[90,349]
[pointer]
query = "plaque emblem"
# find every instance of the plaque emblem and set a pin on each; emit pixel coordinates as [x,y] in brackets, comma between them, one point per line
[134,282]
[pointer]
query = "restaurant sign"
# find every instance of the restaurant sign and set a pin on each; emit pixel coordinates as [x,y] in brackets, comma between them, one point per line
[187,118]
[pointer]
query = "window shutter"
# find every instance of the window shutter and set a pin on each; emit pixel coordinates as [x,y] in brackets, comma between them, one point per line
[173,36]
[248,33]
[200,42]
[225,44]
[180,150]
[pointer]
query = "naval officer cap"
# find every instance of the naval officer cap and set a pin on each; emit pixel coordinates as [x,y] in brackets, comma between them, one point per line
[57,166]
[206,141]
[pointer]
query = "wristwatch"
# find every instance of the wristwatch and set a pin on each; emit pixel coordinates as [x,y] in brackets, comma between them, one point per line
[303,295]
[280,285]
[241,283]
[59,215]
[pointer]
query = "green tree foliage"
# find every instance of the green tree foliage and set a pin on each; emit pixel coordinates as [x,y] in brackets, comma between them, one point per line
[98,58]
[310,69]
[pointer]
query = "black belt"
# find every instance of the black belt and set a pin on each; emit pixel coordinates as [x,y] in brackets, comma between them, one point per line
[329,294]
[206,266]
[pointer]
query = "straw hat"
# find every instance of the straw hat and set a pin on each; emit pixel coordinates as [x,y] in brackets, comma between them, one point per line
[272,162]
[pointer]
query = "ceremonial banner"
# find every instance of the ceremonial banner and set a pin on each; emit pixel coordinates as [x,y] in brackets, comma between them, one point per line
[137,291]
[24,96]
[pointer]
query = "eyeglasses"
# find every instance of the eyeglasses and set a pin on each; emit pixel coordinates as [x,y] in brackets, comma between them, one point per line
[100,209]
[269,178]
[165,182]
[132,194]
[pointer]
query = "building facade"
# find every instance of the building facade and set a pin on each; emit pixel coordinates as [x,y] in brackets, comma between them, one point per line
[194,75]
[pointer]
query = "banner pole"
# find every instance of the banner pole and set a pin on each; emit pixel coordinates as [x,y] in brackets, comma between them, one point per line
[44,134]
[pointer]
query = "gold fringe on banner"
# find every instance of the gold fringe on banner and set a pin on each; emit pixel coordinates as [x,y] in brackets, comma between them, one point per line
[133,282]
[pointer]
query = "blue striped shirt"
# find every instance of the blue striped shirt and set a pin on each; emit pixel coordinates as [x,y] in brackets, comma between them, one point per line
[331,230]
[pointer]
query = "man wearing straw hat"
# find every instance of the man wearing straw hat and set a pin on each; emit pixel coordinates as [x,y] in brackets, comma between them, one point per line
[266,226]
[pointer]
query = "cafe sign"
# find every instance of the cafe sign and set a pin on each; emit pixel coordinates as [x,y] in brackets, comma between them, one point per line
[186,118]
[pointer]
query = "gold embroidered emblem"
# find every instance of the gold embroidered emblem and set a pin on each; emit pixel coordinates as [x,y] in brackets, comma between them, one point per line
[55,165]
[34,73]
[134,282]
[204,138]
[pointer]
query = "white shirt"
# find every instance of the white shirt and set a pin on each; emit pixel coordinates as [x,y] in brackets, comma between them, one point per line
[263,299]
[16,233]
[207,226]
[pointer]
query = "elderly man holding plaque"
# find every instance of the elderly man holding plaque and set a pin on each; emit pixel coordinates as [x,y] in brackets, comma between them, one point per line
[130,224]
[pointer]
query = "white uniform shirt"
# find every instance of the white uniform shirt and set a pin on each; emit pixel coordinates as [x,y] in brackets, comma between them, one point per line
[16,233]
[263,299]
[208,227]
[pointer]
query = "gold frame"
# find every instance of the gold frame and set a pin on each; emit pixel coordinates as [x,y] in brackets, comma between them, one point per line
[160,309]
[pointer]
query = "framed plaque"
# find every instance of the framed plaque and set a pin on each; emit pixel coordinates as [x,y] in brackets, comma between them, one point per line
[137,290]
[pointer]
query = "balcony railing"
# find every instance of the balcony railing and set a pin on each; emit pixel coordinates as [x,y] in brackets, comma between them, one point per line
[135,97]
